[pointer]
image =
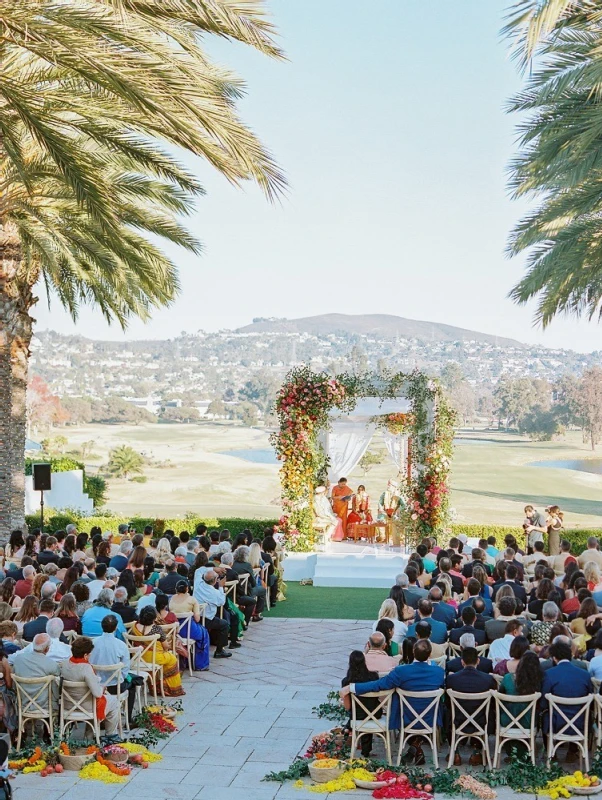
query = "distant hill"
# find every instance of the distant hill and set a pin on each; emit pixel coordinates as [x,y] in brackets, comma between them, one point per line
[385,325]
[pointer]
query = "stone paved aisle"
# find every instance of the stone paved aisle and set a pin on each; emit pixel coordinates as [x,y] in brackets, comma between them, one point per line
[247,716]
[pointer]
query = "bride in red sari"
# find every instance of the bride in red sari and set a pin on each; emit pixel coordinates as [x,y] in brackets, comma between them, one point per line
[360,507]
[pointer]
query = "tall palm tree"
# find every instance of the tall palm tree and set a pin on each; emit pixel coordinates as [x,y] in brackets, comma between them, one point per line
[125,461]
[560,162]
[91,95]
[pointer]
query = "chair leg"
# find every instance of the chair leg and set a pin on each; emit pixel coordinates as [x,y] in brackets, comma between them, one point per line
[162,685]
[452,749]
[388,746]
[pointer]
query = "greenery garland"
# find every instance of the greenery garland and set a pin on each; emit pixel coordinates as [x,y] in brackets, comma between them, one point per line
[303,405]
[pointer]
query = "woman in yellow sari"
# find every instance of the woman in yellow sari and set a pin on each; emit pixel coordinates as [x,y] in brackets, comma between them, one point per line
[147,626]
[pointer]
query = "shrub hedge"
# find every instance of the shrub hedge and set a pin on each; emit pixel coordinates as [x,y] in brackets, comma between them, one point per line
[576,536]
[110,522]
[56,521]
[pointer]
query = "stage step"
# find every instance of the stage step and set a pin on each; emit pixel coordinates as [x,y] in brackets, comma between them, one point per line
[376,571]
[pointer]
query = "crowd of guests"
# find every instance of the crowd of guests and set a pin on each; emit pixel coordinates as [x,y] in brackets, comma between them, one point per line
[71,600]
[486,618]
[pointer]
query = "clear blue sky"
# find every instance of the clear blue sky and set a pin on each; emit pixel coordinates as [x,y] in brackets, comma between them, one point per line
[388,121]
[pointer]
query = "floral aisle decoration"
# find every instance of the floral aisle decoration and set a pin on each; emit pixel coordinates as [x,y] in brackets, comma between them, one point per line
[303,406]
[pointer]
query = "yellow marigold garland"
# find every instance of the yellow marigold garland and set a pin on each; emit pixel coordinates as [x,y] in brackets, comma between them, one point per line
[37,767]
[561,786]
[96,771]
[138,749]
[345,783]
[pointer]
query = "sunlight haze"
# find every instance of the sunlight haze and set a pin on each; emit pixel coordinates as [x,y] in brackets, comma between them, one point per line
[389,122]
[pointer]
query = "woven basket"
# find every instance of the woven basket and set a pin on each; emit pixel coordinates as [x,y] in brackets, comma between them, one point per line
[585,790]
[168,713]
[323,775]
[74,763]
[120,759]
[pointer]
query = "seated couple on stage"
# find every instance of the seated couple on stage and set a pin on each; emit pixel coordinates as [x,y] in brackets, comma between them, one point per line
[333,516]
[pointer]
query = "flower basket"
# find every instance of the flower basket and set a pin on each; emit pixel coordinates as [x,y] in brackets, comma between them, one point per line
[168,713]
[325,774]
[116,755]
[586,789]
[74,763]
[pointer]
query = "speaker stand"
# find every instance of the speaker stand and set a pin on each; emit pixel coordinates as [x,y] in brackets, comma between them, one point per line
[42,511]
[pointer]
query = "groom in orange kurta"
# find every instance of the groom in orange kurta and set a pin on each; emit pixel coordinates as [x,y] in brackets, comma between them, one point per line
[340,501]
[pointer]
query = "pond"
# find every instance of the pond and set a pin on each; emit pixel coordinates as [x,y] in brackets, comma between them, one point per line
[592,465]
[267,456]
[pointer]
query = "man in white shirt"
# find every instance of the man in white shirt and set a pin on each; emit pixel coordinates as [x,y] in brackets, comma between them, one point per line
[499,650]
[109,650]
[591,554]
[97,585]
[57,651]
[208,590]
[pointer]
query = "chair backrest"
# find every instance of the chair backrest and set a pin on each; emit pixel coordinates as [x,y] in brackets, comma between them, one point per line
[70,636]
[469,718]
[244,581]
[230,588]
[171,634]
[453,649]
[135,657]
[109,674]
[184,623]
[265,574]
[77,701]
[524,720]
[440,661]
[33,695]
[596,684]
[569,724]
[148,646]
[370,715]
[483,649]
[419,719]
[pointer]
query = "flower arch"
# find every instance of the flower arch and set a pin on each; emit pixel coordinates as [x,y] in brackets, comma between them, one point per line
[304,404]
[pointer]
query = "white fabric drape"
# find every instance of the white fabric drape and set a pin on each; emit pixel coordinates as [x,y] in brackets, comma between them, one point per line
[345,444]
[397,447]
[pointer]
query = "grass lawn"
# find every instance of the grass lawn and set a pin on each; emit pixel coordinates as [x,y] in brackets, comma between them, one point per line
[321,602]
[492,474]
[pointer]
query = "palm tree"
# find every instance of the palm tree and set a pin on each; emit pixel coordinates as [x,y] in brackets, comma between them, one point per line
[91,92]
[125,461]
[561,157]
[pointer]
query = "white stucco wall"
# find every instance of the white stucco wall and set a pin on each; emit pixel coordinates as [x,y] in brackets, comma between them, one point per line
[67,492]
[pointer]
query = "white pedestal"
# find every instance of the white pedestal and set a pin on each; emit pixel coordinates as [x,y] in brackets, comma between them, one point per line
[299,566]
[350,570]
[373,569]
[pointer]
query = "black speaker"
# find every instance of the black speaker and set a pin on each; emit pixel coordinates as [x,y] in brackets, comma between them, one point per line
[41,477]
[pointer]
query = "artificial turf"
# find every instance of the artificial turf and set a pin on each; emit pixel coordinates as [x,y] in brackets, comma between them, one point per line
[320,602]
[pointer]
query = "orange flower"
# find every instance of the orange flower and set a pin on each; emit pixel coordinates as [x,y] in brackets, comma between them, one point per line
[35,756]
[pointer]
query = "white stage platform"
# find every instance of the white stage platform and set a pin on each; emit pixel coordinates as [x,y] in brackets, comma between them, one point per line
[347,564]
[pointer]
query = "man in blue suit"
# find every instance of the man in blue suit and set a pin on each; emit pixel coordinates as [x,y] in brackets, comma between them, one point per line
[564,679]
[469,616]
[419,676]
[473,587]
[438,629]
[470,680]
[442,612]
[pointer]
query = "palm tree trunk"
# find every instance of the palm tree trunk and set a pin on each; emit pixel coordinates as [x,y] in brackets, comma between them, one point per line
[15,338]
